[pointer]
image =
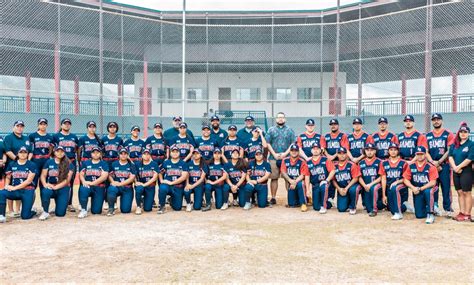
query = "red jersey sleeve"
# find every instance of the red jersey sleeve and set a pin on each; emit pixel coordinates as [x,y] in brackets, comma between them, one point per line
[395,139]
[304,168]
[422,141]
[451,139]
[298,142]
[433,173]
[381,169]
[407,172]
[344,141]
[330,165]
[283,166]
[355,170]
[369,139]
[322,142]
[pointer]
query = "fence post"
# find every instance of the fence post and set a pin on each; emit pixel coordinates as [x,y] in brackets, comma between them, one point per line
[145,99]
[76,95]
[28,91]
[120,100]
[404,94]
[428,63]
[57,80]
[454,75]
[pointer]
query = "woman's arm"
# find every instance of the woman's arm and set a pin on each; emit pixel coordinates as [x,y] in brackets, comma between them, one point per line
[25,183]
[103,176]
[181,179]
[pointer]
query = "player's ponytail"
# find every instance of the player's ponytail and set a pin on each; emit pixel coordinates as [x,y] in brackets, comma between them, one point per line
[63,168]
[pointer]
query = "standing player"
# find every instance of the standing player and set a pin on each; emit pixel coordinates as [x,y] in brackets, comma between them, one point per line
[321,172]
[439,141]
[371,176]
[294,169]
[3,158]
[197,170]
[216,178]
[257,177]
[206,144]
[88,142]
[42,145]
[172,181]
[112,143]
[19,185]
[306,140]
[257,142]
[145,185]
[70,144]
[156,144]
[217,134]
[410,139]
[420,177]
[93,174]
[183,142]
[346,183]
[121,178]
[172,132]
[55,176]
[236,169]
[135,145]
[245,133]
[357,141]
[232,143]
[383,138]
[395,193]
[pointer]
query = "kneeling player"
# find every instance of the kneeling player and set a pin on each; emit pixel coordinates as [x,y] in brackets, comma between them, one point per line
[346,177]
[371,171]
[294,169]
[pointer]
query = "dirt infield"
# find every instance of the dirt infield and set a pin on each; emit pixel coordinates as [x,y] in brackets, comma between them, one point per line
[262,245]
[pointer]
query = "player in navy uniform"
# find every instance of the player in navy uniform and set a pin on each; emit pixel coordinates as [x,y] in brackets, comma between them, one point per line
[197,170]
[294,169]
[19,185]
[357,141]
[420,177]
[156,144]
[236,170]
[370,180]
[42,145]
[121,178]
[346,183]
[306,140]
[257,177]
[410,139]
[145,185]
[183,142]
[231,143]
[135,145]
[88,142]
[93,174]
[172,180]
[215,182]
[395,193]
[70,144]
[217,133]
[206,144]
[383,138]
[112,143]
[3,158]
[439,141]
[257,142]
[321,171]
[55,176]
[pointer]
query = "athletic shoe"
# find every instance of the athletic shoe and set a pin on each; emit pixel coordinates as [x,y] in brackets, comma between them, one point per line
[437,211]
[304,208]
[138,211]
[247,206]
[110,212]
[2,219]
[71,209]
[323,210]
[161,210]
[207,208]
[273,201]
[372,214]
[235,203]
[82,214]
[460,217]
[430,218]
[310,200]
[189,207]
[331,200]
[51,210]
[410,208]
[154,205]
[397,216]
[352,211]
[449,214]
[44,216]
[168,199]
[225,206]
[13,214]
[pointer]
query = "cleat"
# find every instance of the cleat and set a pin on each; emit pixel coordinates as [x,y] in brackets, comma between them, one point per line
[82,214]
[304,208]
[323,210]
[44,216]
[247,206]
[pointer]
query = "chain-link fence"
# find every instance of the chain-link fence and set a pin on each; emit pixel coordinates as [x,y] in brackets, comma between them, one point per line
[70,60]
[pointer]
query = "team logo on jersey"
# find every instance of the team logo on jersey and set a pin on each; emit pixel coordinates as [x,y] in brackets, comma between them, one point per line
[343,176]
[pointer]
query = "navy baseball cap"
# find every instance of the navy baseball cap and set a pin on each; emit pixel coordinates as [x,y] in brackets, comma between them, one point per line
[258,151]
[383,120]
[197,150]
[146,150]
[213,118]
[177,118]
[357,121]
[123,149]
[112,124]
[310,122]
[249,118]
[255,129]
[342,150]
[183,125]
[294,147]
[91,123]
[157,125]
[174,147]
[96,148]
[205,127]
[436,116]
[19,122]
[135,128]
[66,120]
[316,144]
[408,118]
[420,149]
[232,127]
[464,129]
[23,149]
[393,145]
[235,150]
[370,146]
[42,120]
[333,122]
[58,147]
[217,150]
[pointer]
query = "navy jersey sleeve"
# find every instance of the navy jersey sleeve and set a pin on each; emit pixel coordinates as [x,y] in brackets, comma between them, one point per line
[105,166]
[185,166]
[32,167]
[267,167]
[155,166]
[470,156]
[191,137]
[133,169]
[7,143]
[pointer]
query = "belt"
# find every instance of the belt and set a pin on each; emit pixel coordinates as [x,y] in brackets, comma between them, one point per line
[41,156]
[110,158]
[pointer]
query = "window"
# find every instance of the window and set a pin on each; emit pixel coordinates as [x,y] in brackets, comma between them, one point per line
[309,94]
[169,95]
[197,94]
[248,94]
[279,94]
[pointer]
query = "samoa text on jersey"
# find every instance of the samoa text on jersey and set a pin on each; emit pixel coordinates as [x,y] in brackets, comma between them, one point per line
[92,171]
[183,144]
[370,169]
[382,143]
[146,172]
[216,171]
[257,171]
[334,141]
[409,142]
[134,147]
[438,143]
[319,169]
[420,175]
[294,167]
[53,171]
[252,146]
[41,144]
[122,171]
[156,145]
[346,172]
[357,143]
[195,171]
[173,170]
[88,144]
[229,145]
[394,171]
[206,146]
[69,142]
[306,140]
[234,174]
[111,147]
[19,173]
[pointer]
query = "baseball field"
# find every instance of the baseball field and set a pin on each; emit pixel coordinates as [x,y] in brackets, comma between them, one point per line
[260,245]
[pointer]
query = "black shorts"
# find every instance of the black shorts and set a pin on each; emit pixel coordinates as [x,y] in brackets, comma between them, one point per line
[463,181]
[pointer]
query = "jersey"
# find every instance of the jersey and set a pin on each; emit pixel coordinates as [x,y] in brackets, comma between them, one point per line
[69,142]
[409,142]
[319,169]
[13,143]
[420,175]
[157,147]
[121,172]
[382,143]
[394,171]
[111,147]
[145,172]
[345,173]
[87,144]
[438,143]
[206,146]
[334,142]
[195,171]
[251,146]
[53,171]
[174,170]
[464,151]
[135,148]
[294,167]
[19,173]
[357,143]
[229,145]
[306,140]
[92,171]
[370,169]
[216,171]
[257,171]
[183,144]
[218,136]
[41,145]
[234,174]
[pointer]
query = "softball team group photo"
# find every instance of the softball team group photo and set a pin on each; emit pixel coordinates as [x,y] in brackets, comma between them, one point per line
[174,170]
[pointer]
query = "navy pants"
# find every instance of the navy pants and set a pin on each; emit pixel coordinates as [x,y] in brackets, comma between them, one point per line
[241,193]
[373,198]
[221,194]
[27,198]
[320,196]
[262,193]
[176,194]
[350,200]
[296,196]
[60,196]
[126,197]
[424,202]
[198,196]
[148,195]
[396,196]
[97,195]
[444,181]
[71,185]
